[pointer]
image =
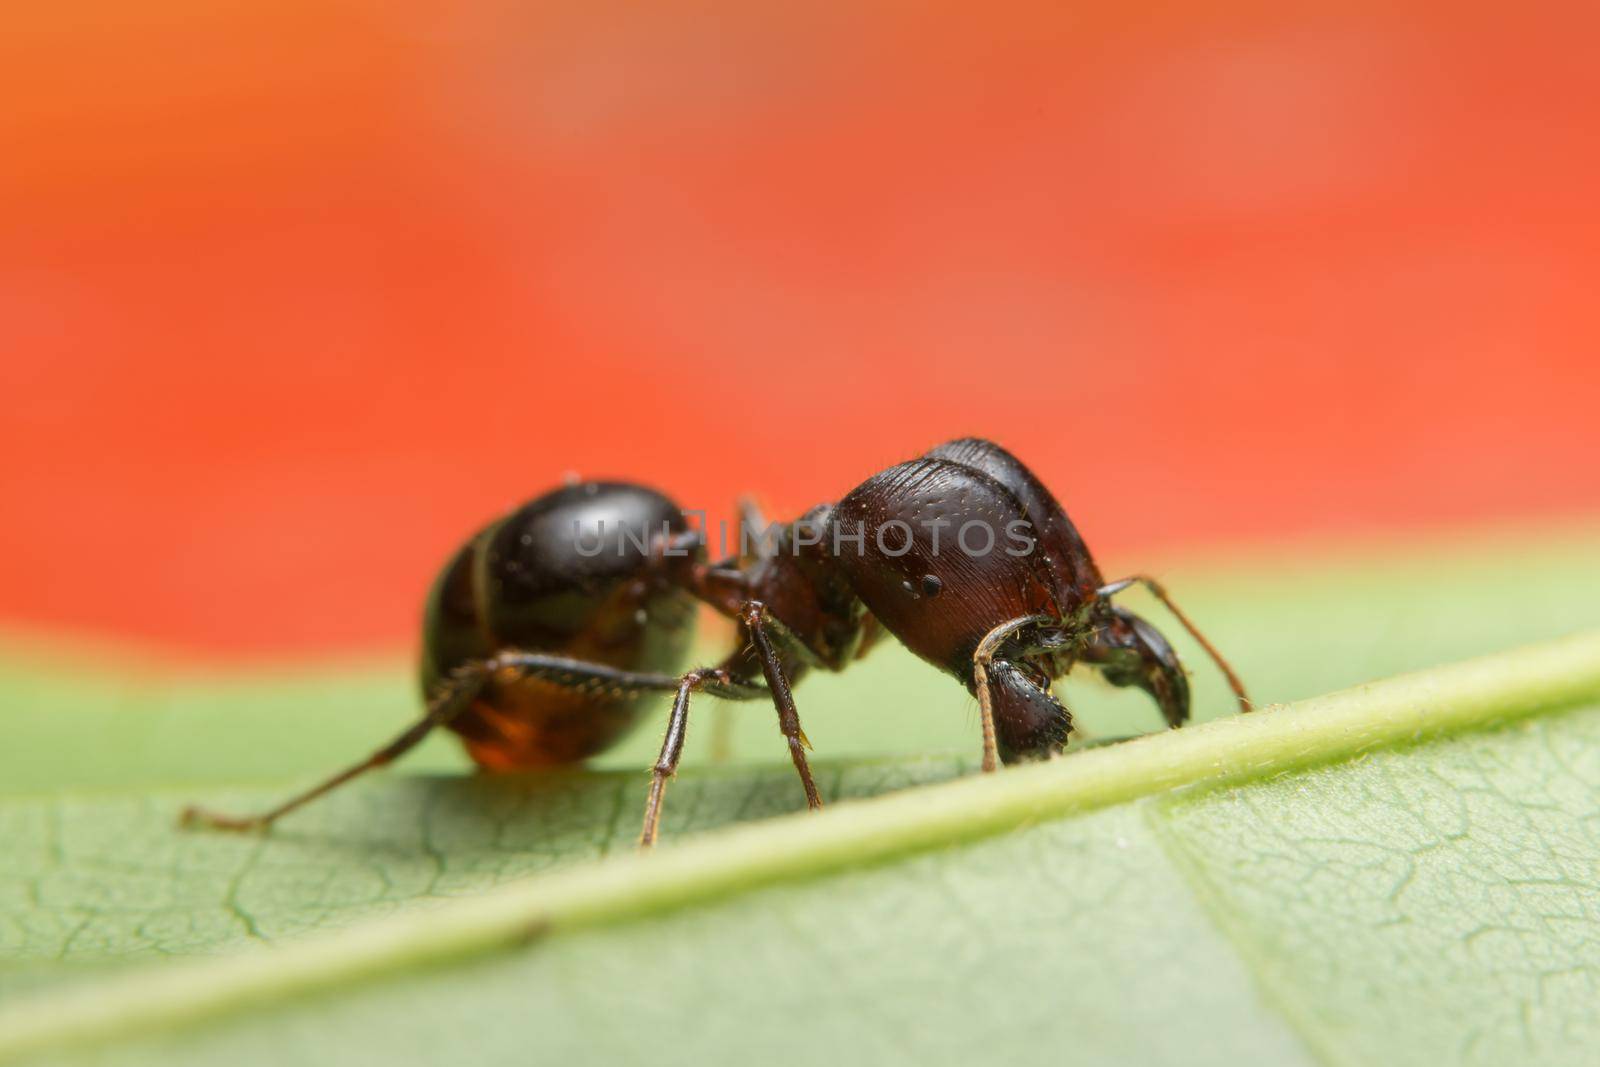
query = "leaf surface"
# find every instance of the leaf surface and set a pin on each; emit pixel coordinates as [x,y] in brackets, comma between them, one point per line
[1431,900]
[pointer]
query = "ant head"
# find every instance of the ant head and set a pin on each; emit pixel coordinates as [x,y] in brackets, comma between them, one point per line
[1127,650]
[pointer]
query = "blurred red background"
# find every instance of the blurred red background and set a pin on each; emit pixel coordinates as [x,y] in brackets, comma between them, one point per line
[293,295]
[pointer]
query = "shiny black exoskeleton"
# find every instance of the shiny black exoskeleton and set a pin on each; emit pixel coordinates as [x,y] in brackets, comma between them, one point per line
[548,631]
[560,575]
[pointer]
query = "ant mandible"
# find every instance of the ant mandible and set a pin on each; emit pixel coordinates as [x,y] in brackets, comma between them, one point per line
[546,633]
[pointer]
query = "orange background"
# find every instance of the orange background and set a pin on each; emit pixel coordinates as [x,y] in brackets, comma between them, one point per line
[293,295]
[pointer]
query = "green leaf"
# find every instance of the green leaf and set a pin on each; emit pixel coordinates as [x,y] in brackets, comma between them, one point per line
[109,877]
[1228,891]
[1464,869]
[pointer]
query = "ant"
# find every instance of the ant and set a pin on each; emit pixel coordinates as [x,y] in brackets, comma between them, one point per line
[547,632]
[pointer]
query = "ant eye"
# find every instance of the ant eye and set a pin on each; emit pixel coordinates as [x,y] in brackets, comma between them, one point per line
[931,585]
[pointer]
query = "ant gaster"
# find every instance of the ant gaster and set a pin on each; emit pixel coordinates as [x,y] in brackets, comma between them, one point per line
[546,634]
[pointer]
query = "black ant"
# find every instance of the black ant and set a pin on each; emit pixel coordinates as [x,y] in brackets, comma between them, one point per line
[547,630]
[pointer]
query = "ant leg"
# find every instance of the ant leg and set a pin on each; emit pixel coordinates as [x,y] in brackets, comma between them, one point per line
[581,675]
[983,660]
[458,692]
[1029,722]
[672,744]
[453,697]
[754,616]
[1159,591]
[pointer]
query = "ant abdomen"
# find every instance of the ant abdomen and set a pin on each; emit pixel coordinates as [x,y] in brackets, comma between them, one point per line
[579,573]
